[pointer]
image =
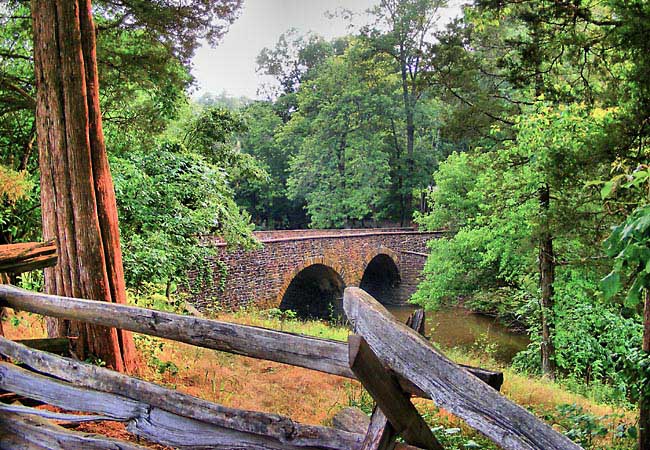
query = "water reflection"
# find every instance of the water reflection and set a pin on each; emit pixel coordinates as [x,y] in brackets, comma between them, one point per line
[457,327]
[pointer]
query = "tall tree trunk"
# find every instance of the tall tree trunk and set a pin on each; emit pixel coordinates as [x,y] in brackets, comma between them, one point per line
[410,167]
[546,278]
[644,402]
[77,195]
[103,181]
[546,254]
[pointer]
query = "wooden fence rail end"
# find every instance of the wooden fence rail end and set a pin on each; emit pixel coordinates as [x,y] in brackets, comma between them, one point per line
[386,391]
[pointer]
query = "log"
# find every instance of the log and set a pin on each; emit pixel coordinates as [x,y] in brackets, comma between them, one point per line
[31,432]
[490,377]
[303,351]
[408,354]
[381,434]
[46,414]
[416,321]
[4,279]
[180,432]
[125,397]
[143,420]
[312,353]
[64,395]
[386,391]
[23,257]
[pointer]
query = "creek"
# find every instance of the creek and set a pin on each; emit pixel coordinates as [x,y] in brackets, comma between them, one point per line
[458,327]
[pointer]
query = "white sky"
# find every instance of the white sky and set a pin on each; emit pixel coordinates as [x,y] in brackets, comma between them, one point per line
[231,65]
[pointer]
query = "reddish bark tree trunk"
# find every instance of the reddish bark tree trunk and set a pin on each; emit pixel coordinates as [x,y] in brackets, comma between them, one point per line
[77,195]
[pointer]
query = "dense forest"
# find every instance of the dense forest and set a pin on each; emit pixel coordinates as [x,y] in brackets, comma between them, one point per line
[521,127]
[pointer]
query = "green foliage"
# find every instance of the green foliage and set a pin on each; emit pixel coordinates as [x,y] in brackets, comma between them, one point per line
[179,27]
[171,197]
[294,59]
[166,201]
[629,246]
[339,168]
[143,50]
[585,428]
[32,281]
[151,348]
[19,207]
[359,137]
[266,198]
[491,200]
[95,361]
[13,185]
[594,342]
[277,313]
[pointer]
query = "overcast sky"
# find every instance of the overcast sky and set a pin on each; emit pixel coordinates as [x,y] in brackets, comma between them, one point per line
[231,65]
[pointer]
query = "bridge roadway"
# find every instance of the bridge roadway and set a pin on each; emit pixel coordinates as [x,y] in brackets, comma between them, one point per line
[307,270]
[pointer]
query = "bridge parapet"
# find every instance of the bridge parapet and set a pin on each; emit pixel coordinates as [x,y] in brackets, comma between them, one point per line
[262,277]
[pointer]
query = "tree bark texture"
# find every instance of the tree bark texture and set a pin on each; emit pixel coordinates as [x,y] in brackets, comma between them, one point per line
[77,196]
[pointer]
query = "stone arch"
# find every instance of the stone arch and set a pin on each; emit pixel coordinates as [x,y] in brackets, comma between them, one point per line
[381,276]
[314,290]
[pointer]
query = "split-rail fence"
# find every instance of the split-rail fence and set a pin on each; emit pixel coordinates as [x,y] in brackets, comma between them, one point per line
[393,362]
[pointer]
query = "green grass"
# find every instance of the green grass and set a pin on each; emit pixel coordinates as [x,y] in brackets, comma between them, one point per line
[283,321]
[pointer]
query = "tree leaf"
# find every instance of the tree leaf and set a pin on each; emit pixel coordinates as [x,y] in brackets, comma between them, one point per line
[611,284]
[634,294]
[607,189]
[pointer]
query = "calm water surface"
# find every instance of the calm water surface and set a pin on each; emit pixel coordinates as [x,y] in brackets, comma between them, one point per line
[457,327]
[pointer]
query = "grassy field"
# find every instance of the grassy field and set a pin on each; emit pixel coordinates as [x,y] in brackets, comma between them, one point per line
[313,397]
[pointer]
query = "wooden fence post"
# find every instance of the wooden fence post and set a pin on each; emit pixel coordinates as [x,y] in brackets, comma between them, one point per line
[394,403]
[381,434]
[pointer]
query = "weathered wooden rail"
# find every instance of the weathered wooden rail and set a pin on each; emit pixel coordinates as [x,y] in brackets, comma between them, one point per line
[26,256]
[390,359]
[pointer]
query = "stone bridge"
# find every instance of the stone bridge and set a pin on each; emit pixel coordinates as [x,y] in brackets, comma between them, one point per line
[307,270]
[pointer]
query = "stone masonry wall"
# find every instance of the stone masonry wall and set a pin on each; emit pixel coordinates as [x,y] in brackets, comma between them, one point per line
[262,276]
